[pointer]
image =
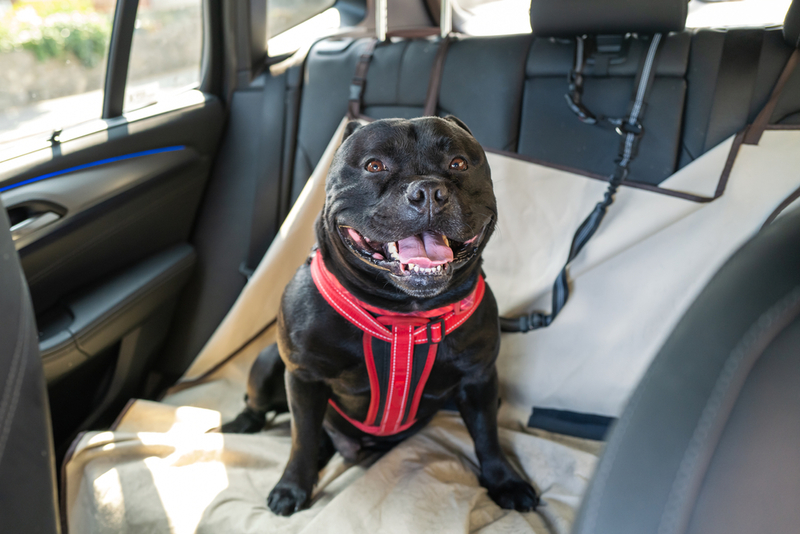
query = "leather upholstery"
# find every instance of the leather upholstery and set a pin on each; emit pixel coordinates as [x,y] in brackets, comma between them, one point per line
[397,82]
[551,132]
[568,18]
[708,442]
[28,500]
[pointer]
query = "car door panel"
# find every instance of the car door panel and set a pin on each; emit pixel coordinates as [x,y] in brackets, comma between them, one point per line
[103,223]
[91,321]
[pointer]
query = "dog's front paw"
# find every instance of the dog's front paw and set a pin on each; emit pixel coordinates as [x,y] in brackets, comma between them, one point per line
[514,495]
[286,499]
[247,422]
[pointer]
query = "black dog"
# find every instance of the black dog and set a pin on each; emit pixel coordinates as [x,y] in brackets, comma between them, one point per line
[390,317]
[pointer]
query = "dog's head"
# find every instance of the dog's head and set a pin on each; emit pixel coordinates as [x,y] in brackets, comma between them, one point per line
[408,202]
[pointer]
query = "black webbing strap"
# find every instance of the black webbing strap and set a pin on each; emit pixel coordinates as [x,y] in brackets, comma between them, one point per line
[354,104]
[630,128]
[574,94]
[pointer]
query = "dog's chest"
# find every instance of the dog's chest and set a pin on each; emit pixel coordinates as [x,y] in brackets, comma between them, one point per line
[385,377]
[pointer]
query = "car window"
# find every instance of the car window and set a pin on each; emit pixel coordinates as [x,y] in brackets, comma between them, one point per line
[741,13]
[502,17]
[166,51]
[291,24]
[53,56]
[492,17]
[285,14]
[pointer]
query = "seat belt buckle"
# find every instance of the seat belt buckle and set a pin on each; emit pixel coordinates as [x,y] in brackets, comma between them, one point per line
[442,330]
[356,88]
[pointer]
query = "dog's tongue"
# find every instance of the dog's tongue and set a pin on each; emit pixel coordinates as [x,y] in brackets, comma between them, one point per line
[426,250]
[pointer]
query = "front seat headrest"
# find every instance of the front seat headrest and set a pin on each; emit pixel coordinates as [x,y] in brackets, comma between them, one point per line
[569,18]
[791,24]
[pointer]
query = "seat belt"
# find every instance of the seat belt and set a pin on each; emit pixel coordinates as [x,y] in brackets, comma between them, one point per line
[356,101]
[435,80]
[270,160]
[630,128]
[359,81]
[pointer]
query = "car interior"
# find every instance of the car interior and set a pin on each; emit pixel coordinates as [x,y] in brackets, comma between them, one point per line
[142,254]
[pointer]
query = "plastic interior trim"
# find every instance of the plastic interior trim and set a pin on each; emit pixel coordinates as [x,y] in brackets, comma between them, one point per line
[94,164]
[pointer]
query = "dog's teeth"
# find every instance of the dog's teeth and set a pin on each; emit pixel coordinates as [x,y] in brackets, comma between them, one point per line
[416,267]
[392,247]
[439,267]
[446,241]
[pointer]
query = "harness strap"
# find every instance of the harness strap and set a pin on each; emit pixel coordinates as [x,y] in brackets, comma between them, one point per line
[404,333]
[358,313]
[631,130]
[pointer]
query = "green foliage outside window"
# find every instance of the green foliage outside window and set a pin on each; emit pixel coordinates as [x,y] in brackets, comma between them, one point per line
[56,29]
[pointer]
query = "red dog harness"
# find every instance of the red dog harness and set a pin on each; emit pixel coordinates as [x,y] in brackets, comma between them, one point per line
[399,349]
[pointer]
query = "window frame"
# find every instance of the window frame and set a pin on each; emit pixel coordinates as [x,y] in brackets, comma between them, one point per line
[114,83]
[119,56]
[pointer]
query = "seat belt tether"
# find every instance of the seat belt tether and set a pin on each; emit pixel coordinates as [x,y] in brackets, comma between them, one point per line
[631,130]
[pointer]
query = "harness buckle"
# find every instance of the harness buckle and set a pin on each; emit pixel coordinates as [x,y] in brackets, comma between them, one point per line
[624,128]
[429,329]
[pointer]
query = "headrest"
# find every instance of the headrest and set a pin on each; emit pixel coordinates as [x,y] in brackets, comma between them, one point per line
[568,18]
[791,24]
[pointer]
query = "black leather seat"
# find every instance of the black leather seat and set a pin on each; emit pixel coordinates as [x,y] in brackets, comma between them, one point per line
[709,440]
[481,83]
[28,500]
[550,131]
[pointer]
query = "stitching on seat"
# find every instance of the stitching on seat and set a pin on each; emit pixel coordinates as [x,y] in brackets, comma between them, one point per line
[729,383]
[594,497]
[15,375]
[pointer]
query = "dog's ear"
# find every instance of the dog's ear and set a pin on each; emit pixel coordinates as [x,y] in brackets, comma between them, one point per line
[458,122]
[351,127]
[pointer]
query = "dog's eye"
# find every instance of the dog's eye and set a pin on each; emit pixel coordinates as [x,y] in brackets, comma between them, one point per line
[458,164]
[375,165]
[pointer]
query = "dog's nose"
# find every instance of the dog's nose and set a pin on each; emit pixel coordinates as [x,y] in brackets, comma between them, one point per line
[428,195]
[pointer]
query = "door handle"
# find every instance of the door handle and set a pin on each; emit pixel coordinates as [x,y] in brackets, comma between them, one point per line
[32,224]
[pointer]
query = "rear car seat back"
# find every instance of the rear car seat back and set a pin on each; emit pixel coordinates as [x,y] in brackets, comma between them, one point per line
[551,132]
[731,75]
[481,84]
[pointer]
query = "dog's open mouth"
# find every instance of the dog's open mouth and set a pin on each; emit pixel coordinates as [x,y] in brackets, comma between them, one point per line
[429,253]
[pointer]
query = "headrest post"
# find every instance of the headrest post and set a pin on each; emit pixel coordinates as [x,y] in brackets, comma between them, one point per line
[381,19]
[446,19]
